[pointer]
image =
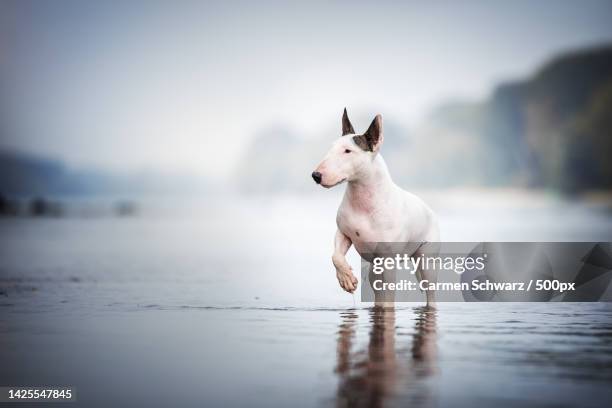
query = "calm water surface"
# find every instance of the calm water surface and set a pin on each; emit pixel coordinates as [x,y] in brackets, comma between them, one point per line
[238,305]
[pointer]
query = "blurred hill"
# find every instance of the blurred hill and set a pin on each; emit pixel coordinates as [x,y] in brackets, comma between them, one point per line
[552,130]
[28,175]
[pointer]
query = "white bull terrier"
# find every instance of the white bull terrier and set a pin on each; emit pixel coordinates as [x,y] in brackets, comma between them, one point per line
[374,208]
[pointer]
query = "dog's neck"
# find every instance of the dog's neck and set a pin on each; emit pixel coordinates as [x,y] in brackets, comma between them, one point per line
[371,188]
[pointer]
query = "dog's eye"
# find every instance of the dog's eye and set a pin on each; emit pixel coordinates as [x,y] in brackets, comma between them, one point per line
[347,151]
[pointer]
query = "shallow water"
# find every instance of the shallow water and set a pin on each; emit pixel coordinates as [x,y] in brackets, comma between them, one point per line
[233,305]
[460,355]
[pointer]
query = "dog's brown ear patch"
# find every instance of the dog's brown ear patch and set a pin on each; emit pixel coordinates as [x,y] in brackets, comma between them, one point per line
[362,143]
[347,127]
[371,139]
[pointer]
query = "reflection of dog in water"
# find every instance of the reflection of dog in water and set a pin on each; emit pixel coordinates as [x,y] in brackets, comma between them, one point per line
[384,372]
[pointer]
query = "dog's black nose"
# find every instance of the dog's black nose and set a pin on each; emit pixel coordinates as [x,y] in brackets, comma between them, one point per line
[316,176]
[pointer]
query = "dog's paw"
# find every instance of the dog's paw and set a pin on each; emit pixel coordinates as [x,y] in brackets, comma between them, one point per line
[347,280]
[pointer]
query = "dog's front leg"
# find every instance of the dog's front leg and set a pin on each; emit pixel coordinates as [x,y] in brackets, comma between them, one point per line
[344,272]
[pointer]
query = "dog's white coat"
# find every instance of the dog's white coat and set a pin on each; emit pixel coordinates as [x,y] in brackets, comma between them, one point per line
[374,208]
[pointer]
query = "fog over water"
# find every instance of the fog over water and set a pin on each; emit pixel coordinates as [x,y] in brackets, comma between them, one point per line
[147,84]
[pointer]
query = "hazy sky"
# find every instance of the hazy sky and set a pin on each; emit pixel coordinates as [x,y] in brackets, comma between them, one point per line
[182,85]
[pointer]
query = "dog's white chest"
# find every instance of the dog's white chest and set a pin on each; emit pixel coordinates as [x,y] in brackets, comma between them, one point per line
[363,227]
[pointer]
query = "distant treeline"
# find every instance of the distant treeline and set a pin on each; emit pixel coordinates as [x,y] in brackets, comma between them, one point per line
[553,130]
[23,175]
[45,207]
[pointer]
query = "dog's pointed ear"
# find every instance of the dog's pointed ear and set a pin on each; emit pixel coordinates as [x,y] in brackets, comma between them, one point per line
[373,137]
[347,127]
